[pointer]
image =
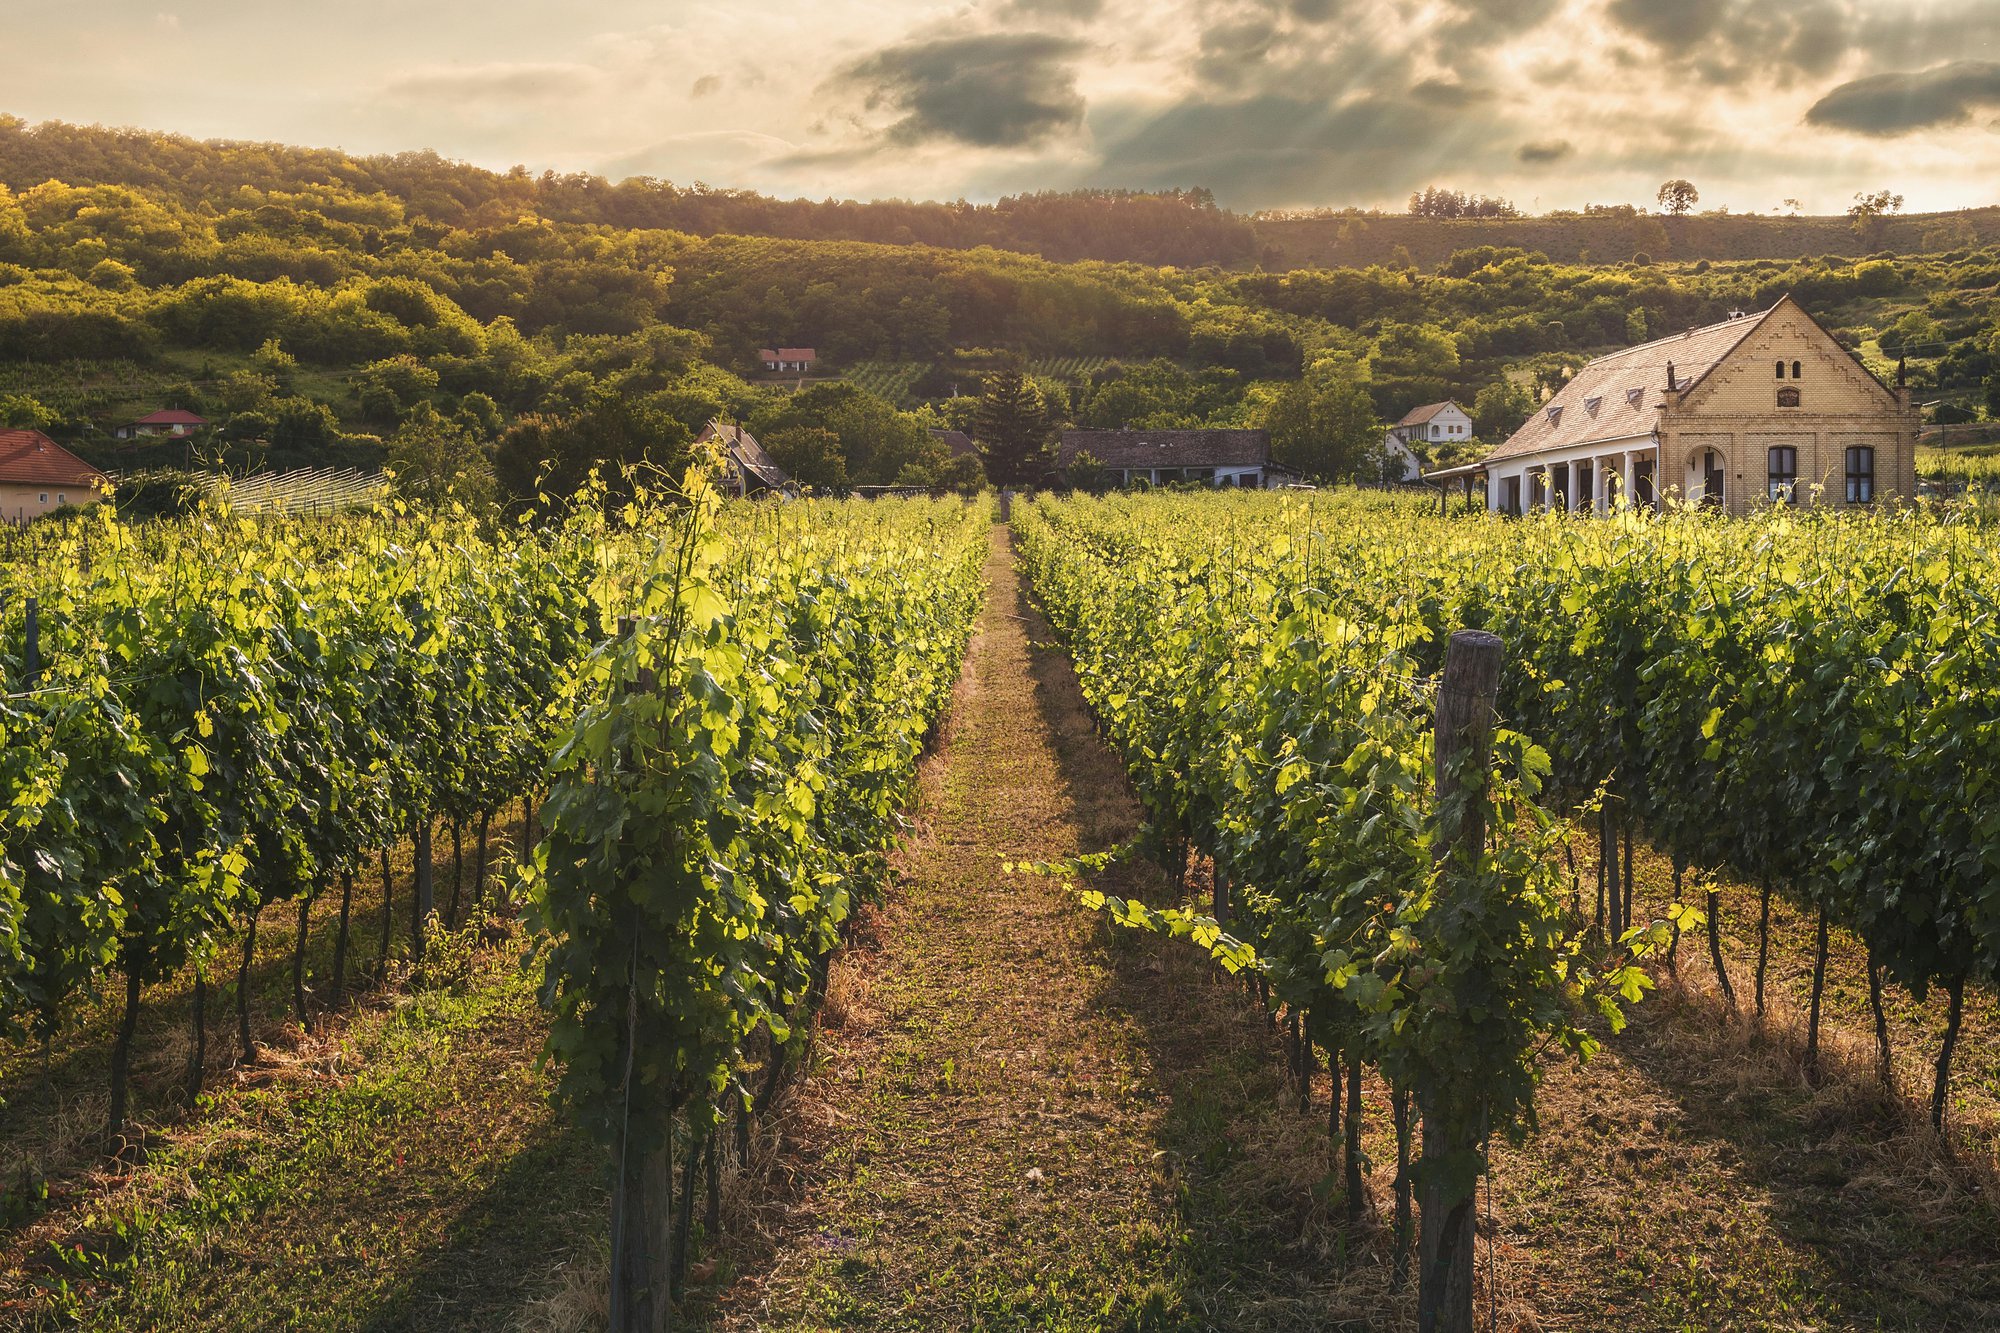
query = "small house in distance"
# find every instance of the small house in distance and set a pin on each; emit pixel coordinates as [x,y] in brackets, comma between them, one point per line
[1433,423]
[1161,457]
[788,360]
[39,476]
[172,422]
[746,468]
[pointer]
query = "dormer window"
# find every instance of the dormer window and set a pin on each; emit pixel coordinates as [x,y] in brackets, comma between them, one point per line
[1788,397]
[1632,397]
[1591,405]
[1555,416]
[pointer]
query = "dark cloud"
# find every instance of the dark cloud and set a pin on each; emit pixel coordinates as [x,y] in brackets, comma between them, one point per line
[1233,52]
[1543,151]
[1672,25]
[1898,103]
[706,85]
[1491,20]
[995,90]
[1775,41]
[1280,148]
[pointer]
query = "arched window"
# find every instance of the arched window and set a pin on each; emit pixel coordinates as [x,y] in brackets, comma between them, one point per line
[1795,370]
[1860,475]
[1781,370]
[1782,473]
[1788,397]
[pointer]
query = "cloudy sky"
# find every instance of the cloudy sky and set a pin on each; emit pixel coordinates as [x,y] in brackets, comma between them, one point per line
[1270,103]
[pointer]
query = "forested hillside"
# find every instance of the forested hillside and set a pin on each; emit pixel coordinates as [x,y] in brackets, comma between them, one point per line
[1610,234]
[319,309]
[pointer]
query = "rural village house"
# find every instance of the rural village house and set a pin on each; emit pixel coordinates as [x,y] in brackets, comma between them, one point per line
[1764,408]
[1433,423]
[746,468]
[1159,457]
[39,476]
[788,360]
[171,422]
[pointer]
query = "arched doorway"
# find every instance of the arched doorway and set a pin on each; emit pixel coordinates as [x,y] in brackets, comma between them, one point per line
[1706,470]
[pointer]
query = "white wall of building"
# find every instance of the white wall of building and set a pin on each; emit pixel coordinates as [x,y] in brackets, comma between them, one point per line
[1613,473]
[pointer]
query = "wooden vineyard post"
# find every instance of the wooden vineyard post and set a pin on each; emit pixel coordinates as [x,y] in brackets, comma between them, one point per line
[642,1195]
[424,895]
[32,659]
[1452,1128]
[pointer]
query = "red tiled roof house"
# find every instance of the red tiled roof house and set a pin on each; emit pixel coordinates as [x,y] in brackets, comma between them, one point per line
[171,422]
[39,476]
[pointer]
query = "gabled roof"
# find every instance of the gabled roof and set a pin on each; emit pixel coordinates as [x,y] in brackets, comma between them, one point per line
[30,458]
[1417,416]
[957,441]
[1168,448]
[787,354]
[1600,402]
[748,455]
[171,416]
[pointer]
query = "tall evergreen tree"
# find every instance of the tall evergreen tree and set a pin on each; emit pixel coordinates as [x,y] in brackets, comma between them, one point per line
[1012,430]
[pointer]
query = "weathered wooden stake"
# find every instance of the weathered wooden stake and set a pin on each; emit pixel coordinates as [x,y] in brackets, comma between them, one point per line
[340,939]
[1818,987]
[1447,1238]
[425,899]
[249,1052]
[34,654]
[642,1200]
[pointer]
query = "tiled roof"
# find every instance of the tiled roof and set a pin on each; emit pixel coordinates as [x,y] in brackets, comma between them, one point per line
[1168,448]
[1619,395]
[787,354]
[30,458]
[172,416]
[746,453]
[957,441]
[1417,416]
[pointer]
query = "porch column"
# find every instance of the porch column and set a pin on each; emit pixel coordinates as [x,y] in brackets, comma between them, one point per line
[1631,477]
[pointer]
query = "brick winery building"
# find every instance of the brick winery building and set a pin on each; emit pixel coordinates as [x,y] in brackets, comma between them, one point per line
[1759,409]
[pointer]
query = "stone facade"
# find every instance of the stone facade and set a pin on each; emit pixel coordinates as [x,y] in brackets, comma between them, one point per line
[1734,411]
[1735,414]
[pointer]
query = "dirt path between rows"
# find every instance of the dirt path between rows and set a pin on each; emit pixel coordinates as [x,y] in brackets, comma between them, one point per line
[1012,1109]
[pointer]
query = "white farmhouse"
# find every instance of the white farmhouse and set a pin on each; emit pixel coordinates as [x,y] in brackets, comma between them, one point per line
[1432,424]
